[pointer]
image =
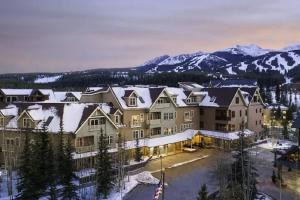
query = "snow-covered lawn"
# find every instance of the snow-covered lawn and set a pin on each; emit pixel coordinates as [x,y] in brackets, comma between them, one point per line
[276,144]
[89,192]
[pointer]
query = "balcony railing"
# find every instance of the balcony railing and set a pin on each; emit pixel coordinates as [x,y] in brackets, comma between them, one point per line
[85,149]
[96,127]
[162,105]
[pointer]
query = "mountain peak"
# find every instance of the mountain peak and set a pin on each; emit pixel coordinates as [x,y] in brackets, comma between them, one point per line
[248,50]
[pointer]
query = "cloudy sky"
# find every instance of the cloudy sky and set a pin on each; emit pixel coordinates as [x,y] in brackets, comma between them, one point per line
[68,35]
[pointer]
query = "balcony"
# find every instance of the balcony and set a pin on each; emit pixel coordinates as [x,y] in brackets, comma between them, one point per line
[162,105]
[96,127]
[85,149]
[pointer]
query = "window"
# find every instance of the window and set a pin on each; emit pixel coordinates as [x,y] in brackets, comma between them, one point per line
[132,101]
[117,119]
[256,110]
[260,110]
[26,123]
[166,131]
[233,114]
[201,111]
[246,112]
[136,120]
[110,139]
[240,113]
[135,134]
[174,99]
[166,116]
[237,100]
[187,116]
[192,113]
[96,123]
[142,134]
[142,117]
[155,131]
[256,122]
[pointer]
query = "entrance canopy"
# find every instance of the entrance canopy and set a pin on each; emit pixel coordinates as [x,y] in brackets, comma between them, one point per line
[227,135]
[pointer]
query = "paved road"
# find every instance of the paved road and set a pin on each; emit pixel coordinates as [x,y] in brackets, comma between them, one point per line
[183,181]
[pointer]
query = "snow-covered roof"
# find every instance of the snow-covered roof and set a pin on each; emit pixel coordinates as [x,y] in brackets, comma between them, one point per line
[62,95]
[17,92]
[225,136]
[179,93]
[145,95]
[72,115]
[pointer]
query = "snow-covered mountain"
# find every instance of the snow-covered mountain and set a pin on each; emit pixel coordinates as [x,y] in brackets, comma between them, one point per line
[231,61]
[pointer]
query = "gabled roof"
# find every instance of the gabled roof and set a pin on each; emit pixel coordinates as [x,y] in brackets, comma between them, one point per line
[221,96]
[155,92]
[128,93]
[70,114]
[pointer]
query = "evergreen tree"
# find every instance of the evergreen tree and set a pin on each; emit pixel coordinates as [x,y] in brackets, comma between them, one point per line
[104,179]
[40,161]
[203,194]
[60,156]
[69,188]
[25,182]
[138,151]
[52,174]
[277,93]
[244,172]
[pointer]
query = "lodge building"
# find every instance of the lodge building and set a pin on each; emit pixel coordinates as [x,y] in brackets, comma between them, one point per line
[166,120]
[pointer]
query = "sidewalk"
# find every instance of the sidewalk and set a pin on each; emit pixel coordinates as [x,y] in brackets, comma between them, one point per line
[180,158]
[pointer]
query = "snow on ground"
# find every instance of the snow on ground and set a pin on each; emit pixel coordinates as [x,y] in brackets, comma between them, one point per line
[47,79]
[276,144]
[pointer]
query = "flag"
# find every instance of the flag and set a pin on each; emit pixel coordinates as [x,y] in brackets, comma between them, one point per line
[158,190]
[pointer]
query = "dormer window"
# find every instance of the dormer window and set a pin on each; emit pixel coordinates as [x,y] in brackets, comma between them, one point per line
[237,100]
[27,123]
[132,101]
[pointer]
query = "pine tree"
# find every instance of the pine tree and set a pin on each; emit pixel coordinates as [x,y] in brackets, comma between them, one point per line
[52,174]
[25,182]
[40,162]
[69,188]
[104,177]
[203,194]
[138,151]
[60,156]
[244,171]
